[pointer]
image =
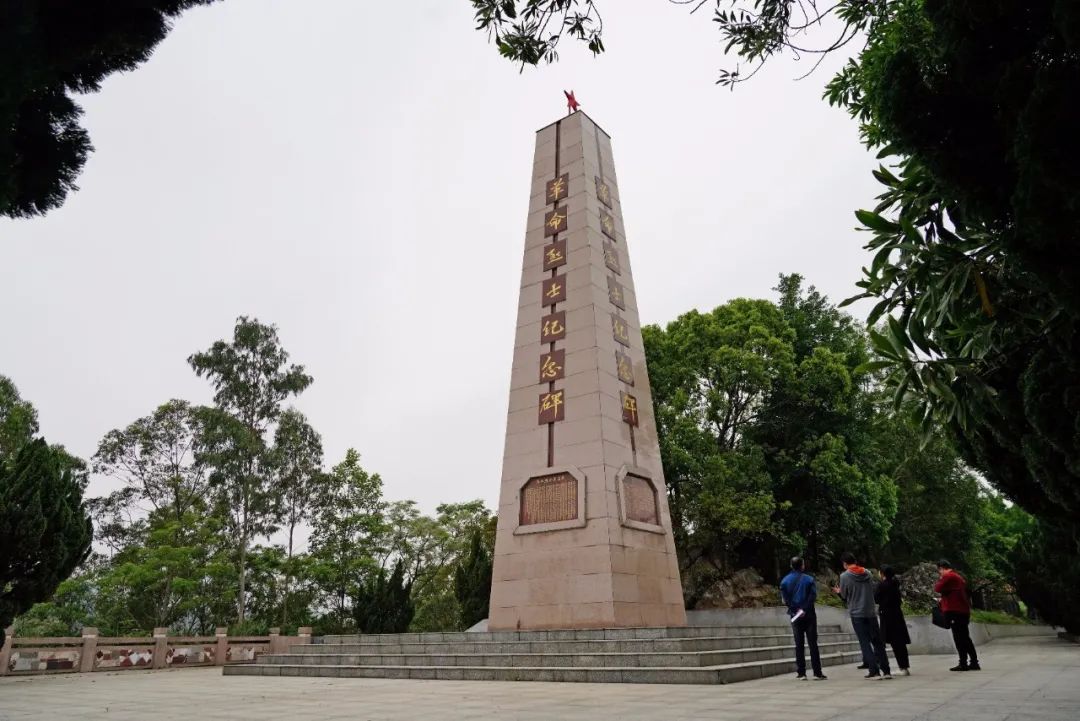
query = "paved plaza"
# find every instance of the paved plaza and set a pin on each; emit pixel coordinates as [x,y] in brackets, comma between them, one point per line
[1023,680]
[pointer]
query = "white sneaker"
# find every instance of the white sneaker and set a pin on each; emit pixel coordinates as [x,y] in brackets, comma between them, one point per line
[905,672]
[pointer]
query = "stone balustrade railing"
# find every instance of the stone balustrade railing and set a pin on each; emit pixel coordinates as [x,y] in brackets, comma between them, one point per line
[92,652]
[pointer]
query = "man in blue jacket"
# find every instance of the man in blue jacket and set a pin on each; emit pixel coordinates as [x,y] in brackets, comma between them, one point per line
[798,592]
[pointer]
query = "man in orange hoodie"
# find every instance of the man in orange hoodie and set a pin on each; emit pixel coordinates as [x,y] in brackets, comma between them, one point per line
[857,591]
[957,609]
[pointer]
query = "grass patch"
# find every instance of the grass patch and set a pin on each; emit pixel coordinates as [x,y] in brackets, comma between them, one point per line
[999,617]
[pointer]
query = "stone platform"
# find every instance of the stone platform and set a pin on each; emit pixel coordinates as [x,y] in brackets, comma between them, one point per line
[694,655]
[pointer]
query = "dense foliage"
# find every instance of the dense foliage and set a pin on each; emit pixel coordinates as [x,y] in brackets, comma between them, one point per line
[203,528]
[51,51]
[384,603]
[44,529]
[775,441]
[472,582]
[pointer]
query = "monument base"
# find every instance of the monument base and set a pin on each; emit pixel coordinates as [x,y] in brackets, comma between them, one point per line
[696,654]
[586,551]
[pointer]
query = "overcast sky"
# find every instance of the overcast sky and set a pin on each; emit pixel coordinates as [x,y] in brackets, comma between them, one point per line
[358,174]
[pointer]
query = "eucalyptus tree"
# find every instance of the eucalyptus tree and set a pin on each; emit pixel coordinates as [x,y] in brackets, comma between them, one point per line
[252,378]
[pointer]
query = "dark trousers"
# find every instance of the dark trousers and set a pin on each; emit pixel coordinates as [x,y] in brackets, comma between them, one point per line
[870,643]
[899,650]
[805,630]
[958,624]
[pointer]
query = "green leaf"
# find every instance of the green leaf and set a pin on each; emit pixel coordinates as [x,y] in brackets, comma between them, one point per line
[917,332]
[875,222]
[878,311]
[871,366]
[901,391]
[899,336]
[880,259]
[885,152]
[882,345]
[848,301]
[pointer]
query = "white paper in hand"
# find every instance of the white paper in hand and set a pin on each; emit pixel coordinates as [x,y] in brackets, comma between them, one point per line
[799,614]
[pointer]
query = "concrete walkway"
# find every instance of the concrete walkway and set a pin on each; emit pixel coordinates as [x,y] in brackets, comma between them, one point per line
[1023,680]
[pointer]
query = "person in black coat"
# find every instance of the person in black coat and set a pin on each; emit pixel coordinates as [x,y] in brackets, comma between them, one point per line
[893,625]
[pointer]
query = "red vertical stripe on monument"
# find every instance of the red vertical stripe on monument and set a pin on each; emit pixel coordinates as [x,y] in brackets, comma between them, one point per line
[554,271]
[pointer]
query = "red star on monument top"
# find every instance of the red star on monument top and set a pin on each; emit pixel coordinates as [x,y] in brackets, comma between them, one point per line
[571,102]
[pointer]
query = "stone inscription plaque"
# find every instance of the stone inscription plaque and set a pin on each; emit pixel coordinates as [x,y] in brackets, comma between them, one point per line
[625,368]
[639,497]
[607,225]
[552,407]
[553,327]
[556,189]
[549,499]
[619,331]
[553,290]
[611,259]
[555,221]
[553,366]
[629,408]
[603,192]
[615,294]
[555,255]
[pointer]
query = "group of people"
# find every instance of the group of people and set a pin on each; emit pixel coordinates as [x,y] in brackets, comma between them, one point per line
[867,602]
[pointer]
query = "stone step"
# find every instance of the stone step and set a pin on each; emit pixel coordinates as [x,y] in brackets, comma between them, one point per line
[702,643]
[672,659]
[586,634]
[729,673]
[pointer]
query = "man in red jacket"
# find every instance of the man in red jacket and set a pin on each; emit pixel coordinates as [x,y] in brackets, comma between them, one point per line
[957,609]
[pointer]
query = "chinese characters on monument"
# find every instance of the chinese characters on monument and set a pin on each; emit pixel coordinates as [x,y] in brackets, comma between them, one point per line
[552,407]
[553,327]
[552,366]
[555,255]
[555,222]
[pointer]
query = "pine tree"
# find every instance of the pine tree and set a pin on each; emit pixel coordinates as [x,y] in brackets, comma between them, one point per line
[44,529]
[384,605]
[472,582]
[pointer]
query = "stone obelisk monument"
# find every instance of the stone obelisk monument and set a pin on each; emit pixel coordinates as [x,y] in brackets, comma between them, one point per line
[584,536]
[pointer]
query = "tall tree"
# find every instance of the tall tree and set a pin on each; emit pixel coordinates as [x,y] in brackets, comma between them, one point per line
[472,581]
[53,51]
[711,374]
[296,463]
[156,458]
[444,541]
[813,430]
[252,377]
[44,530]
[18,419]
[939,501]
[346,528]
